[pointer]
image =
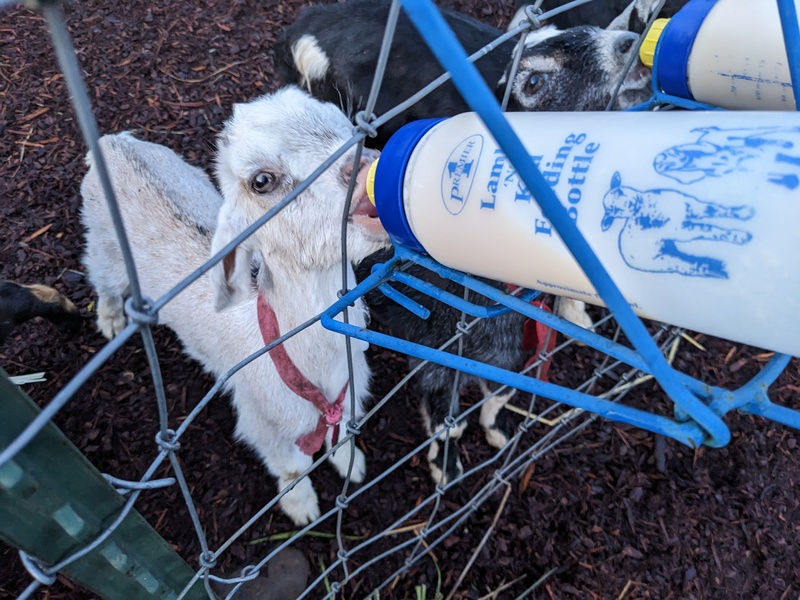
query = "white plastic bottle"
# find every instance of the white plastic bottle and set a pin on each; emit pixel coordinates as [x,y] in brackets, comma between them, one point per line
[696,215]
[727,53]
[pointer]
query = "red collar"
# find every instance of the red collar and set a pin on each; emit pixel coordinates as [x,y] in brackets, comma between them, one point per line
[537,336]
[331,416]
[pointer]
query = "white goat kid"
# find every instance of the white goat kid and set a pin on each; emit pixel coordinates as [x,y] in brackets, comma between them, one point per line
[171,210]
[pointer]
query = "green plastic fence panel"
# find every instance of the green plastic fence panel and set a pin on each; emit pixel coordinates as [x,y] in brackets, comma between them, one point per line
[53,502]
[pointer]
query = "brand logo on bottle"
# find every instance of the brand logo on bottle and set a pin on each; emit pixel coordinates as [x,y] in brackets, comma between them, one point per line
[459,173]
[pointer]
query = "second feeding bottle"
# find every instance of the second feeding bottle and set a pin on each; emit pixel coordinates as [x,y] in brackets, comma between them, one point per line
[726,53]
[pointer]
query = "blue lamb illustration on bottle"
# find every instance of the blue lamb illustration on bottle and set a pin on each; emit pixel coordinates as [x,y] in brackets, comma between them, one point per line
[658,224]
[718,152]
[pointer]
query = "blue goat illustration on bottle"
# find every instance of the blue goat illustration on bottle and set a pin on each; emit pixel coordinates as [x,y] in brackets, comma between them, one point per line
[719,152]
[658,224]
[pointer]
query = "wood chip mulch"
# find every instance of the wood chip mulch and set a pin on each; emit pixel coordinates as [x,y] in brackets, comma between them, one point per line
[599,513]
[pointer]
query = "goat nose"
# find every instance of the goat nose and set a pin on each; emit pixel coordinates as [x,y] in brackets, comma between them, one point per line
[368,156]
[625,42]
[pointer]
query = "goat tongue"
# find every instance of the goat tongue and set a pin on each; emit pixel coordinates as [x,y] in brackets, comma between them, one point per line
[364,207]
[362,211]
[363,214]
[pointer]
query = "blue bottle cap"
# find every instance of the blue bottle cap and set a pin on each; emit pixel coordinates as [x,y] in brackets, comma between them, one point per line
[675,46]
[389,175]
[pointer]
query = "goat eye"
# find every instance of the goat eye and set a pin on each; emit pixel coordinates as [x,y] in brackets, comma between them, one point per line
[264,182]
[536,82]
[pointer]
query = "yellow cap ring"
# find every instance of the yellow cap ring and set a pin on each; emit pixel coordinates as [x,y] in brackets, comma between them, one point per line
[371,182]
[647,51]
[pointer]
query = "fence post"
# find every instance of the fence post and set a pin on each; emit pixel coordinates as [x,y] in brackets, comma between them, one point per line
[54,502]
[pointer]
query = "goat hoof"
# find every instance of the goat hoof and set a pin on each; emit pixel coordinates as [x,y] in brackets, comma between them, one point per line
[301,504]
[341,462]
[440,472]
[110,328]
[496,437]
[110,320]
[493,418]
[574,311]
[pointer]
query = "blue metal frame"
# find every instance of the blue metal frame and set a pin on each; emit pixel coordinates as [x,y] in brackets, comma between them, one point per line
[791,37]
[698,407]
[751,397]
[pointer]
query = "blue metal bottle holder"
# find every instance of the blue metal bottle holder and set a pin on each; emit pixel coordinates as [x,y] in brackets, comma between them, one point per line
[698,407]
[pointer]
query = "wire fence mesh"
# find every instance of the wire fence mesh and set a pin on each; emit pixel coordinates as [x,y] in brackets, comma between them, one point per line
[370,559]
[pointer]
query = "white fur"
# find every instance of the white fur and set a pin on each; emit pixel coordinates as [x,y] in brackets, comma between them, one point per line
[436,473]
[452,434]
[620,22]
[311,61]
[574,311]
[537,36]
[488,418]
[517,19]
[644,9]
[170,210]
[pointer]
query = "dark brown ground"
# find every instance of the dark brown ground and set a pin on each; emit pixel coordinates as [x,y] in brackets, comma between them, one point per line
[718,523]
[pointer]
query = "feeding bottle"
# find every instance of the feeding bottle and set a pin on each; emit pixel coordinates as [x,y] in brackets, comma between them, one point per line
[727,53]
[694,214]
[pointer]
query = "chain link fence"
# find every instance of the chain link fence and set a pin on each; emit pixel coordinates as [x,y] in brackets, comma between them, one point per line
[388,550]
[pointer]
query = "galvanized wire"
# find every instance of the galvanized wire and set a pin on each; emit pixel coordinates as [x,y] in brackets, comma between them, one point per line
[432,527]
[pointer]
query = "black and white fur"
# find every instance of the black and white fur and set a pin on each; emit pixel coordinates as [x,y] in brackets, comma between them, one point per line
[332,50]
[612,14]
[496,341]
[20,303]
[175,219]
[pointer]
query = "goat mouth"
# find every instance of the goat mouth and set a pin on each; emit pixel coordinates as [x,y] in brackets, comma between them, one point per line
[635,88]
[638,77]
[362,212]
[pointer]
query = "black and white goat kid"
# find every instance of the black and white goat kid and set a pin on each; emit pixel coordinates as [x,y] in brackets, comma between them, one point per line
[614,14]
[332,51]
[175,219]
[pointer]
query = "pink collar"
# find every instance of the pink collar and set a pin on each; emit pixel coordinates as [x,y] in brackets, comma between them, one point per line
[331,416]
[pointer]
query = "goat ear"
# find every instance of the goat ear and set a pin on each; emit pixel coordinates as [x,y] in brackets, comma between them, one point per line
[230,277]
[635,16]
[621,21]
[616,180]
